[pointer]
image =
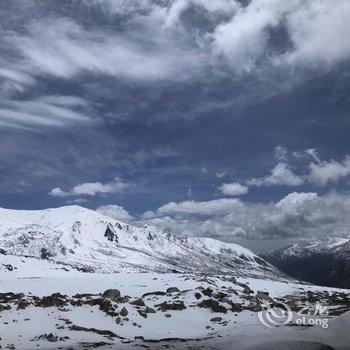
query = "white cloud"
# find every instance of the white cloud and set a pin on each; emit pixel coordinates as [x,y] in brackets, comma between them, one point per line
[58,192]
[320,173]
[64,49]
[281,153]
[92,189]
[244,38]
[233,189]
[332,171]
[297,215]
[156,45]
[295,199]
[12,79]
[47,111]
[115,212]
[319,31]
[316,30]
[313,153]
[281,174]
[201,208]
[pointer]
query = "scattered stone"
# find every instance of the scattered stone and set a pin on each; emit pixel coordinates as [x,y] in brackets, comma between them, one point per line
[10,297]
[213,305]
[216,319]
[153,293]
[5,307]
[207,292]
[85,295]
[138,302]
[246,288]
[52,338]
[173,290]
[142,313]
[94,330]
[197,295]
[55,299]
[220,295]
[112,294]
[236,307]
[124,312]
[149,310]
[167,315]
[262,295]
[105,305]
[123,299]
[176,305]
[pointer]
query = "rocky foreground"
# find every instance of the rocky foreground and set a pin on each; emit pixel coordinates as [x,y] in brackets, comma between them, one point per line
[146,310]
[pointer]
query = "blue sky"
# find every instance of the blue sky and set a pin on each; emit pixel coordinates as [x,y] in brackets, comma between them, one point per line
[201,116]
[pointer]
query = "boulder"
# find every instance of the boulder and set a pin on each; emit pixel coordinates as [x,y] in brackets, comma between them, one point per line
[142,313]
[149,310]
[153,293]
[213,305]
[124,312]
[216,319]
[112,294]
[176,305]
[262,295]
[197,295]
[173,290]
[207,292]
[138,302]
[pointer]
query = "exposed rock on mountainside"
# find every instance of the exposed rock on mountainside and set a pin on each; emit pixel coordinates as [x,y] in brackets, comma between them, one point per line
[323,262]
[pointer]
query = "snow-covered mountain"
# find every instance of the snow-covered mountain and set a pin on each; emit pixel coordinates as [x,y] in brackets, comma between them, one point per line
[83,239]
[322,261]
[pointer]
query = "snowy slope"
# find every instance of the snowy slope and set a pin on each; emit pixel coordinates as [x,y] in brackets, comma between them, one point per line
[69,306]
[84,239]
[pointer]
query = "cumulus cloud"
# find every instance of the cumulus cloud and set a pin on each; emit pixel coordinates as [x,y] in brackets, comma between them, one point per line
[201,208]
[281,174]
[298,215]
[233,189]
[315,30]
[92,189]
[324,172]
[244,38]
[115,212]
[316,172]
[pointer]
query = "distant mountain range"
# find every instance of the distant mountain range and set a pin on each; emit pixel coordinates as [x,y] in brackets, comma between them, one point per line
[86,240]
[322,262]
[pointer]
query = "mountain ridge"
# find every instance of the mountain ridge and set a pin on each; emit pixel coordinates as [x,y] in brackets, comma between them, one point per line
[89,241]
[321,261]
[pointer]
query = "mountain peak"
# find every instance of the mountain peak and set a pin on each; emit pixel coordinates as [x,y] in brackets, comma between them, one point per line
[87,240]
